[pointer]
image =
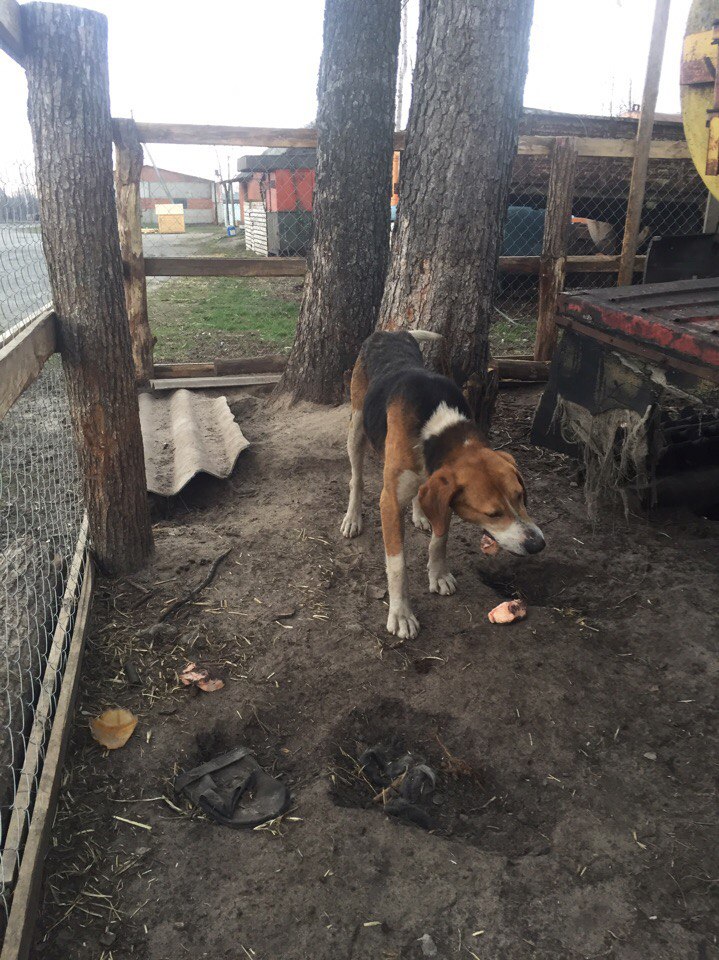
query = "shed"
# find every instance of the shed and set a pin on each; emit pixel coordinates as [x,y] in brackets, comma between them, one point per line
[276,201]
[195,194]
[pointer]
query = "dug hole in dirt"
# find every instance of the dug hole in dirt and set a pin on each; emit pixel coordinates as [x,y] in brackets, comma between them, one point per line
[574,811]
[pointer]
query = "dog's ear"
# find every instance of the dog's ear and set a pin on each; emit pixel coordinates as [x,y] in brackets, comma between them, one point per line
[510,459]
[434,498]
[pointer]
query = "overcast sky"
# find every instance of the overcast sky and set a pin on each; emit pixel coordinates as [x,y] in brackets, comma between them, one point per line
[256,65]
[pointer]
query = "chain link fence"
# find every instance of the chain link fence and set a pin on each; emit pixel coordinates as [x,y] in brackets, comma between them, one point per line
[674,204]
[24,283]
[40,521]
[258,208]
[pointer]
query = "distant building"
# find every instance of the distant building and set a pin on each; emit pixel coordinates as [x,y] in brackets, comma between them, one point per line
[276,201]
[194,193]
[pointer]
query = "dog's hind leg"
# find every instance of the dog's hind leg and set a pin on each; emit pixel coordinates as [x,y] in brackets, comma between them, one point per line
[356,443]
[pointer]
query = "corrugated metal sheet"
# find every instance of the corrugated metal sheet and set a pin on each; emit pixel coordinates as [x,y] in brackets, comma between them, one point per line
[185,434]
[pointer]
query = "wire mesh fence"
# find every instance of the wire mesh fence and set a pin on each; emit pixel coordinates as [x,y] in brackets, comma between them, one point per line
[24,283]
[40,520]
[262,209]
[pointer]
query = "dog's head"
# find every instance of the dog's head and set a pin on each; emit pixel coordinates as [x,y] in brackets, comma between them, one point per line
[485,487]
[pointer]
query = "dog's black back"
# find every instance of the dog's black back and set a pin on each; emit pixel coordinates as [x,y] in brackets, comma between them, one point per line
[395,370]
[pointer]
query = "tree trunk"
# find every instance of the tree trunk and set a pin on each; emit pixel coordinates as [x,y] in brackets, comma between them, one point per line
[351,206]
[69,110]
[454,182]
[553,262]
[128,170]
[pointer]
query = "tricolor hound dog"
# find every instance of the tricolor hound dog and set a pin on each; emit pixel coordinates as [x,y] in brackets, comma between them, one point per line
[434,456]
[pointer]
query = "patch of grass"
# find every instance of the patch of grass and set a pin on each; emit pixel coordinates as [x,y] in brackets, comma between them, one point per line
[202,319]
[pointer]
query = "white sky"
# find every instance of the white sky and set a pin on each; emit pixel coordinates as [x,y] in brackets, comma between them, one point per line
[255,64]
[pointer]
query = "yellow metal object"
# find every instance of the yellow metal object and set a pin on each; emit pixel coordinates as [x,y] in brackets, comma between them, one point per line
[699,65]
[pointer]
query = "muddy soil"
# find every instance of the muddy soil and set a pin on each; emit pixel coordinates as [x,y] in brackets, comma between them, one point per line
[576,751]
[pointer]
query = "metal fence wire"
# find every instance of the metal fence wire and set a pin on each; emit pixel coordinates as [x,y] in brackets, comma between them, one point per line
[24,283]
[40,520]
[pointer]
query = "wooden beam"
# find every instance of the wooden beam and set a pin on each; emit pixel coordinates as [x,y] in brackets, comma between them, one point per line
[560,194]
[174,371]
[273,363]
[128,170]
[515,368]
[658,149]
[599,263]
[216,383]
[22,359]
[11,38]
[297,266]
[643,142]
[533,146]
[26,896]
[211,135]
[222,267]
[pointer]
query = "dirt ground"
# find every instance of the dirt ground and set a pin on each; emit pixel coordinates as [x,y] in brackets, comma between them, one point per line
[576,752]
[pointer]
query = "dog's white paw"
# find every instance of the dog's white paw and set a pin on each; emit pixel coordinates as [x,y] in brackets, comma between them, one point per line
[403,623]
[351,525]
[443,583]
[420,521]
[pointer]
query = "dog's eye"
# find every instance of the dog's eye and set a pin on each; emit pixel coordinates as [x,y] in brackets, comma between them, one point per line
[495,514]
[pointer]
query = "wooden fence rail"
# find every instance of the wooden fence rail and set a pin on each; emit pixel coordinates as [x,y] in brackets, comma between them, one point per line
[306,137]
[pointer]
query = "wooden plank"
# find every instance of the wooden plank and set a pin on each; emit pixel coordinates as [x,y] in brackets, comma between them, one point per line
[560,194]
[128,170]
[22,359]
[164,371]
[26,896]
[224,267]
[274,363]
[599,263]
[516,368]
[15,835]
[519,265]
[11,40]
[638,183]
[216,383]
[658,150]
[528,145]
[297,266]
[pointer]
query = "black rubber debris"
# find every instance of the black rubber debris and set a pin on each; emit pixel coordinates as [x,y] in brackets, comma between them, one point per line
[234,790]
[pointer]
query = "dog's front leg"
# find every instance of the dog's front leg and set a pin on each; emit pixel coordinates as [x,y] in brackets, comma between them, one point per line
[401,621]
[440,578]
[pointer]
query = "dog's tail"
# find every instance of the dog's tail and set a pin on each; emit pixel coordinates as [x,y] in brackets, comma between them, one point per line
[423,335]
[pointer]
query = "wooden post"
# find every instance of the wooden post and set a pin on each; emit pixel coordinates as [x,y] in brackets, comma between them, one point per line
[553,262]
[69,112]
[128,170]
[643,142]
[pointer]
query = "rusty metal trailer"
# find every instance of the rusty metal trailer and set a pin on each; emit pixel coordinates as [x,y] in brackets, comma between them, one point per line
[633,391]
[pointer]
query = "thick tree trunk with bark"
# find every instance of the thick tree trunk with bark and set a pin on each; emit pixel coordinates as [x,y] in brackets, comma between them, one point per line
[454,181]
[69,110]
[351,206]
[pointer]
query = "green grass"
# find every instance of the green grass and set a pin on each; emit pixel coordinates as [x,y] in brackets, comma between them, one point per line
[202,319]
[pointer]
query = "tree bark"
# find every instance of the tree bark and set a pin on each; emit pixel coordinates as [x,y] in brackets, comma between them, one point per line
[461,141]
[128,170]
[69,111]
[351,206]
[553,262]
